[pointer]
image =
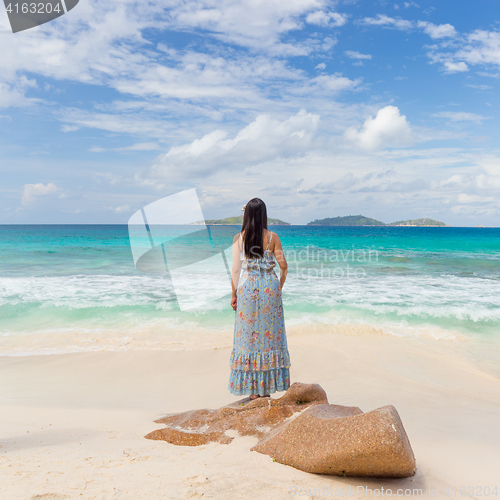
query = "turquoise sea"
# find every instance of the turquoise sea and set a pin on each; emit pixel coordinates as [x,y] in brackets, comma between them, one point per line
[66,288]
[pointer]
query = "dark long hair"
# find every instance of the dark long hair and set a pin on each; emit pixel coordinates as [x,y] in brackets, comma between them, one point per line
[254,223]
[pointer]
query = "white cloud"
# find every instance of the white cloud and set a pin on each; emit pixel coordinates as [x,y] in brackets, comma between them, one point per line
[256,25]
[119,209]
[470,198]
[207,142]
[435,31]
[480,87]
[353,54]
[418,181]
[212,89]
[321,18]
[140,146]
[122,209]
[69,128]
[338,19]
[14,94]
[461,116]
[32,191]
[384,20]
[123,123]
[388,129]
[263,139]
[197,76]
[157,116]
[455,67]
[438,31]
[104,45]
[479,48]
[449,65]
[482,47]
[490,164]
[328,43]
[326,83]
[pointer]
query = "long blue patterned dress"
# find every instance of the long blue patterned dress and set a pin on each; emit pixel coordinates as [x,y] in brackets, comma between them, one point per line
[259,360]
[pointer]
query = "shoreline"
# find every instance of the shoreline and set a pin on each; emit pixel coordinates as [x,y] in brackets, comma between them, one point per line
[73,424]
[480,351]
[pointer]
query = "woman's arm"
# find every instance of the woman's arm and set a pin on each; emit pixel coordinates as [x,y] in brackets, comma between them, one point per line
[235,273]
[280,257]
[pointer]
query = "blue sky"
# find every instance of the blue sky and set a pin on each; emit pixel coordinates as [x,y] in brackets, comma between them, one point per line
[388,109]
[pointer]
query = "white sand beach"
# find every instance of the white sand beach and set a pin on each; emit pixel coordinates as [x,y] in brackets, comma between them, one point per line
[73,425]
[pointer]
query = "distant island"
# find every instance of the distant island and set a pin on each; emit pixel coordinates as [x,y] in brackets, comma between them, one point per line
[237,221]
[361,220]
[419,222]
[349,220]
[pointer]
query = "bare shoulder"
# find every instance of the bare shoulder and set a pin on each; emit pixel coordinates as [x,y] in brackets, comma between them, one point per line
[236,237]
[275,236]
[275,241]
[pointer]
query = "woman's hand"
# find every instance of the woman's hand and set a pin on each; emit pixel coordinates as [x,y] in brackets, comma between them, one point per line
[233,302]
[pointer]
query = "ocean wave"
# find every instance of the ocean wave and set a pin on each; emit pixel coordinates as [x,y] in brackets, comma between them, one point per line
[83,291]
[98,312]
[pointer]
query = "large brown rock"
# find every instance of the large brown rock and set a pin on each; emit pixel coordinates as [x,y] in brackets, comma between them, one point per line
[302,430]
[249,417]
[330,439]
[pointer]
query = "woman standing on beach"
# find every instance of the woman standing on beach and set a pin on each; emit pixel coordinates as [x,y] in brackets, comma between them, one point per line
[259,360]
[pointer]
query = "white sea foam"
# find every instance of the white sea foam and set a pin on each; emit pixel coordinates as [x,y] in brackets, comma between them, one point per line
[46,314]
[81,291]
[435,297]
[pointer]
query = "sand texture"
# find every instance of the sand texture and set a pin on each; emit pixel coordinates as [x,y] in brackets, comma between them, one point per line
[73,425]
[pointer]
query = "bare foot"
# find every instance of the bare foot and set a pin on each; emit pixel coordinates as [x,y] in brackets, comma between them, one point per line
[254,396]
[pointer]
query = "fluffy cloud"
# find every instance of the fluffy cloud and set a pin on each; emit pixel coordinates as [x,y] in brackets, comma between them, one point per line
[263,139]
[388,129]
[479,48]
[109,44]
[32,191]
[449,66]
[352,54]
[14,94]
[482,47]
[455,67]
[438,31]
[384,20]
[416,181]
[322,18]
[208,100]
[255,25]
[103,44]
[435,31]
[326,83]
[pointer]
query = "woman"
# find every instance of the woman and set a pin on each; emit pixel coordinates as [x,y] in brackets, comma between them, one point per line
[259,360]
